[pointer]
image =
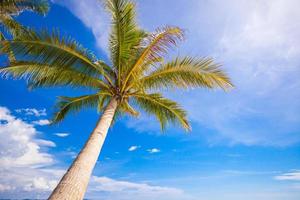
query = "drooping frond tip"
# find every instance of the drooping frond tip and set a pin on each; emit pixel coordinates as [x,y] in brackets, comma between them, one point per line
[158,43]
[165,110]
[66,105]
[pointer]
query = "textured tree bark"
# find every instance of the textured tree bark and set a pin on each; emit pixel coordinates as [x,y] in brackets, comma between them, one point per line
[74,183]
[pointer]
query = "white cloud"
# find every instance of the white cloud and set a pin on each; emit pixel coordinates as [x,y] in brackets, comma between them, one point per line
[27,182]
[32,111]
[260,51]
[18,143]
[23,172]
[40,183]
[123,190]
[110,185]
[23,155]
[41,122]
[154,150]
[133,148]
[4,188]
[93,16]
[290,176]
[45,143]
[62,134]
[266,26]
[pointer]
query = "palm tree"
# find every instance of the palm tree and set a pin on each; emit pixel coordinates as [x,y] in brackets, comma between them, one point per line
[11,8]
[128,84]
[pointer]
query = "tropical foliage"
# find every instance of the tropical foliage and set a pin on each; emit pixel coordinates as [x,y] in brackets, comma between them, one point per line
[11,8]
[135,73]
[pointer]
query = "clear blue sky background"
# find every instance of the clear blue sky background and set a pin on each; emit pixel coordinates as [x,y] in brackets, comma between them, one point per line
[245,144]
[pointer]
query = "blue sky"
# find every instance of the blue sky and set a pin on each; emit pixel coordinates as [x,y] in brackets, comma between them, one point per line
[245,144]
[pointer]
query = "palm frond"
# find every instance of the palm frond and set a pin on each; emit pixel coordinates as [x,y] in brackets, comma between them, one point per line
[109,74]
[185,73]
[66,105]
[125,36]
[11,26]
[125,107]
[53,49]
[156,46]
[41,75]
[14,7]
[164,109]
[103,101]
[2,36]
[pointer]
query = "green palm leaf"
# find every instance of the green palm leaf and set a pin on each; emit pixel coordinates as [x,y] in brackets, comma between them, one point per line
[125,107]
[185,73]
[54,50]
[41,75]
[125,36]
[11,8]
[66,105]
[164,109]
[11,26]
[156,46]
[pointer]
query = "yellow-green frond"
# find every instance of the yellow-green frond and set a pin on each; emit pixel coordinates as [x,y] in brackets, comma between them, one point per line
[125,107]
[186,73]
[156,45]
[164,109]
[66,105]
[125,35]
[52,49]
[40,75]
[11,26]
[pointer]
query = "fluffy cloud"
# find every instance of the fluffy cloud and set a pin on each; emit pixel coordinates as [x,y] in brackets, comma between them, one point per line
[22,155]
[41,122]
[32,111]
[123,190]
[290,176]
[261,53]
[46,143]
[62,134]
[93,16]
[27,182]
[27,172]
[133,148]
[38,183]
[18,143]
[154,150]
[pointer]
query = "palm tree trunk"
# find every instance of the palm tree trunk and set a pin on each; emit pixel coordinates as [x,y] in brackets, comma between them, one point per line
[74,183]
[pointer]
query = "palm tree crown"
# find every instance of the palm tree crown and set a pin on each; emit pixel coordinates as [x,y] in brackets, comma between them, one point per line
[137,68]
